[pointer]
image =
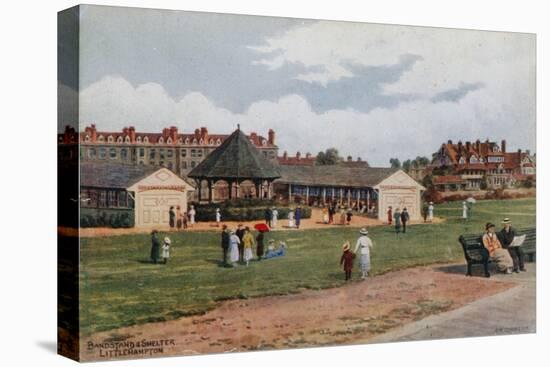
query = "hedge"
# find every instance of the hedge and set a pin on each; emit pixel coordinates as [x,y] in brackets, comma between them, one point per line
[206,213]
[115,218]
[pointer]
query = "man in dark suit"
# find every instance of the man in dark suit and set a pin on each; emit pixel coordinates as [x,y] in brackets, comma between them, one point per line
[506,236]
[240,233]
[225,243]
[404,219]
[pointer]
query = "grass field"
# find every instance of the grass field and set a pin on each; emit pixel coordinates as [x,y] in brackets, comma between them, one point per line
[120,288]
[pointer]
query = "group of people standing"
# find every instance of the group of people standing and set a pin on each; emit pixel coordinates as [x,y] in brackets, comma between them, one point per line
[332,211]
[179,219]
[508,259]
[400,218]
[362,248]
[156,248]
[237,245]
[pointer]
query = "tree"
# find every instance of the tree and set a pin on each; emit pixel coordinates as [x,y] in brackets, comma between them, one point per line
[407,165]
[328,157]
[395,163]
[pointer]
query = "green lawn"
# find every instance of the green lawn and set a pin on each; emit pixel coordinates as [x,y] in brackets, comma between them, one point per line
[119,288]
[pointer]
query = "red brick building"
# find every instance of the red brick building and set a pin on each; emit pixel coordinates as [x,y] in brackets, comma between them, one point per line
[471,166]
[179,152]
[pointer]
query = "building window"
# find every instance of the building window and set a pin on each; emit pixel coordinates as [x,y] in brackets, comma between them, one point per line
[193,153]
[102,199]
[193,164]
[138,139]
[87,138]
[102,153]
[161,140]
[199,153]
[112,153]
[141,152]
[184,165]
[152,153]
[91,153]
[169,153]
[119,139]
[170,166]
[161,154]
[146,140]
[184,153]
[110,139]
[123,154]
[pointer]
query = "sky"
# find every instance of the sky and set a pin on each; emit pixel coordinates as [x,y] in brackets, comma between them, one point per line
[370,90]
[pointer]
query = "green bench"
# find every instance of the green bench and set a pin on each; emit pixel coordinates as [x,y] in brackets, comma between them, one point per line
[476,254]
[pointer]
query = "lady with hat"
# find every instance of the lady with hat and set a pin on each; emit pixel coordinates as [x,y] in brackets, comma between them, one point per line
[234,242]
[346,261]
[431,212]
[497,254]
[363,247]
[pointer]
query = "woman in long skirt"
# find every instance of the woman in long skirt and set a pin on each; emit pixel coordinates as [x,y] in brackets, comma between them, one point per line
[234,242]
[362,248]
[248,243]
[260,245]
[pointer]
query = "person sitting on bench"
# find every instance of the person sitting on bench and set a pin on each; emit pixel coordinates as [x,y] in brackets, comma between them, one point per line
[506,237]
[497,254]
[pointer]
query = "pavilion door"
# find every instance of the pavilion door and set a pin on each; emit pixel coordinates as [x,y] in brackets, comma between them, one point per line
[153,207]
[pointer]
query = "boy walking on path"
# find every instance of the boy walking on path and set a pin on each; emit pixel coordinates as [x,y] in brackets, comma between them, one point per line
[347,260]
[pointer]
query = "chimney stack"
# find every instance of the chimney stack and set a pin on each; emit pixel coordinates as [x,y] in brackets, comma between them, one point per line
[308,155]
[93,134]
[174,134]
[298,155]
[271,137]
[468,146]
[285,155]
[350,158]
[503,146]
[204,133]
[132,133]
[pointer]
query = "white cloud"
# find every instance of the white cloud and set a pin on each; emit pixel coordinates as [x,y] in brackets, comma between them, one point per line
[411,129]
[449,56]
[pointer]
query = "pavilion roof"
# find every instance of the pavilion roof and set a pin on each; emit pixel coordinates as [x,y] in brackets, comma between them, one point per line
[236,158]
[334,175]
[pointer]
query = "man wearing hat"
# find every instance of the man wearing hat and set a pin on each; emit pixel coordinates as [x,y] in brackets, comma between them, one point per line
[497,254]
[506,236]
[363,247]
[347,260]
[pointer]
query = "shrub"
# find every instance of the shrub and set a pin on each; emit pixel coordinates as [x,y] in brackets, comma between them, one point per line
[207,212]
[115,218]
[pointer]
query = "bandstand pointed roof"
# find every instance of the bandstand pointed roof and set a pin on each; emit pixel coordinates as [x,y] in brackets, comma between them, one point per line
[236,158]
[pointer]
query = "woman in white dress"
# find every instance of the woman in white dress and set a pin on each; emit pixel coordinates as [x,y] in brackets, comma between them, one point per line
[431,212]
[464,210]
[234,242]
[362,248]
[191,215]
[274,217]
[291,218]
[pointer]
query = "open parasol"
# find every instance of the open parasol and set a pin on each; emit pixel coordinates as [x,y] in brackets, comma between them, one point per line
[262,227]
[471,200]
